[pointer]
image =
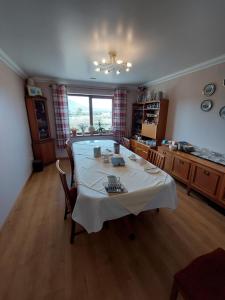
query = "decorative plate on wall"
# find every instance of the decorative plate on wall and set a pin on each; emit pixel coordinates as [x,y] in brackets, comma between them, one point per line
[206,105]
[209,89]
[222,112]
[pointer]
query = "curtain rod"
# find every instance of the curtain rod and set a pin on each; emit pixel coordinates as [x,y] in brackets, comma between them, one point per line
[91,88]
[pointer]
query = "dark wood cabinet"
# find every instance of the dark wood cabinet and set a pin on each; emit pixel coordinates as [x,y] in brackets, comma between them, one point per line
[149,119]
[42,143]
[206,177]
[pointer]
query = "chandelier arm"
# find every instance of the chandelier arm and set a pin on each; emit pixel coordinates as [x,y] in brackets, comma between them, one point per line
[113,65]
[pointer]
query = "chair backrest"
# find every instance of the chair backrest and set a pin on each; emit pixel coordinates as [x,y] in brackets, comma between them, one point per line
[125,142]
[156,158]
[68,147]
[69,201]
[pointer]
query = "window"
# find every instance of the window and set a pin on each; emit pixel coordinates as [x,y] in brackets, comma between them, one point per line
[85,111]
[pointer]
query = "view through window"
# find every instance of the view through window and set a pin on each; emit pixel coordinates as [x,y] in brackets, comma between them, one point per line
[86,111]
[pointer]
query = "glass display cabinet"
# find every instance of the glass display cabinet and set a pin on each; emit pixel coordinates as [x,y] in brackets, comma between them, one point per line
[42,143]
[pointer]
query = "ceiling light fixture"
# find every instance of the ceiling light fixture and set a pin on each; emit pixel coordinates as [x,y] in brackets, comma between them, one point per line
[112,65]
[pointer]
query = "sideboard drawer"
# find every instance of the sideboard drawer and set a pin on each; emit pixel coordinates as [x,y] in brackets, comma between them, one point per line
[141,152]
[181,168]
[206,180]
[133,144]
[143,146]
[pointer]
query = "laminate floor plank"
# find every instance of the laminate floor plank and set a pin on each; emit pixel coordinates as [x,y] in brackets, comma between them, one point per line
[38,262]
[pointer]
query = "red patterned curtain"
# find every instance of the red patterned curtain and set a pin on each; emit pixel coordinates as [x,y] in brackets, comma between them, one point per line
[119,113]
[60,102]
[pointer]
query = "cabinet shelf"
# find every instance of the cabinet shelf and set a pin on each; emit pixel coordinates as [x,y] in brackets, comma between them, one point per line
[155,130]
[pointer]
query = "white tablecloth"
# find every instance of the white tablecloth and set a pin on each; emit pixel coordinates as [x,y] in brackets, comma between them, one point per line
[144,190]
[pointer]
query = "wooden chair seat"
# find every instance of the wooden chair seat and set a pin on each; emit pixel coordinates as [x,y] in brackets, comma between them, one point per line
[203,279]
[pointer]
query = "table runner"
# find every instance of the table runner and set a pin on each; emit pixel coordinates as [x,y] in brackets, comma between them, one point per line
[94,205]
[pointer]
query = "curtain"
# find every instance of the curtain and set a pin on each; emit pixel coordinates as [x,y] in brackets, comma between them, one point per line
[60,102]
[119,113]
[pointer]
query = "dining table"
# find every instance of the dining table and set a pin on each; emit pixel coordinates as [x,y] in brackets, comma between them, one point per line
[146,187]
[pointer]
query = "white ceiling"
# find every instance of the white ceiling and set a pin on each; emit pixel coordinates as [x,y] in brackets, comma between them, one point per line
[60,39]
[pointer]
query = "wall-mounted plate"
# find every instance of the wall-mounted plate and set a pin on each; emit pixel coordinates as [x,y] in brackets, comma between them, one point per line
[206,105]
[222,112]
[209,89]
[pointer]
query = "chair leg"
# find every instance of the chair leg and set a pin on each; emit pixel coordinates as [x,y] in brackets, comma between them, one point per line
[72,182]
[174,291]
[65,213]
[188,191]
[73,230]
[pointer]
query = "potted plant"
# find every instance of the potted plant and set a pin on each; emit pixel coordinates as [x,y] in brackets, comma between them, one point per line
[73,132]
[83,127]
[100,128]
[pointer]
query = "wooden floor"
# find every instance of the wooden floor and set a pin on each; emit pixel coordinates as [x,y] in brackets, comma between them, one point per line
[37,261]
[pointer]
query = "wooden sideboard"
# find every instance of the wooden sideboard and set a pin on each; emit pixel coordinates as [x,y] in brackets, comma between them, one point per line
[139,148]
[203,176]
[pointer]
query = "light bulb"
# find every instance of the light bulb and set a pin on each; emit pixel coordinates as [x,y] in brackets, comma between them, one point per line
[97,69]
[118,72]
[129,65]
[127,69]
[106,71]
[119,61]
[95,63]
[103,60]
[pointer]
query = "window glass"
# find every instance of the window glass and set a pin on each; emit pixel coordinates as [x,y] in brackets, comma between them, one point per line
[102,114]
[79,116]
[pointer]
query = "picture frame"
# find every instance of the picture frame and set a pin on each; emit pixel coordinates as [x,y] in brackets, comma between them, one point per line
[34,91]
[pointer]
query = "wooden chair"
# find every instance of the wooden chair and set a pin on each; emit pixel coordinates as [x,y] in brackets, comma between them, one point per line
[156,158]
[125,142]
[68,147]
[70,200]
[204,278]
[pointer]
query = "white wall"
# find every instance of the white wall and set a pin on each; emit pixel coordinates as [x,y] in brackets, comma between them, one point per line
[186,121]
[15,143]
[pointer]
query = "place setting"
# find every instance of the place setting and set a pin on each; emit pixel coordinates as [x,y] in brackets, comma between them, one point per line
[114,185]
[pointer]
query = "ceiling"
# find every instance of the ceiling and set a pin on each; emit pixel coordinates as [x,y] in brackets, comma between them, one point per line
[60,39]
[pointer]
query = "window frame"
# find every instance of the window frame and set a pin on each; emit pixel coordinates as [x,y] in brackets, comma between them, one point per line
[91,107]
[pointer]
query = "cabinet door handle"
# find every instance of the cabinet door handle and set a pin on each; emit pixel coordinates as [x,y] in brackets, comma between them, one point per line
[206,173]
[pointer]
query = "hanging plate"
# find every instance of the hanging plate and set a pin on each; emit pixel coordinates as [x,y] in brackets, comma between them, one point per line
[209,89]
[222,112]
[206,105]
